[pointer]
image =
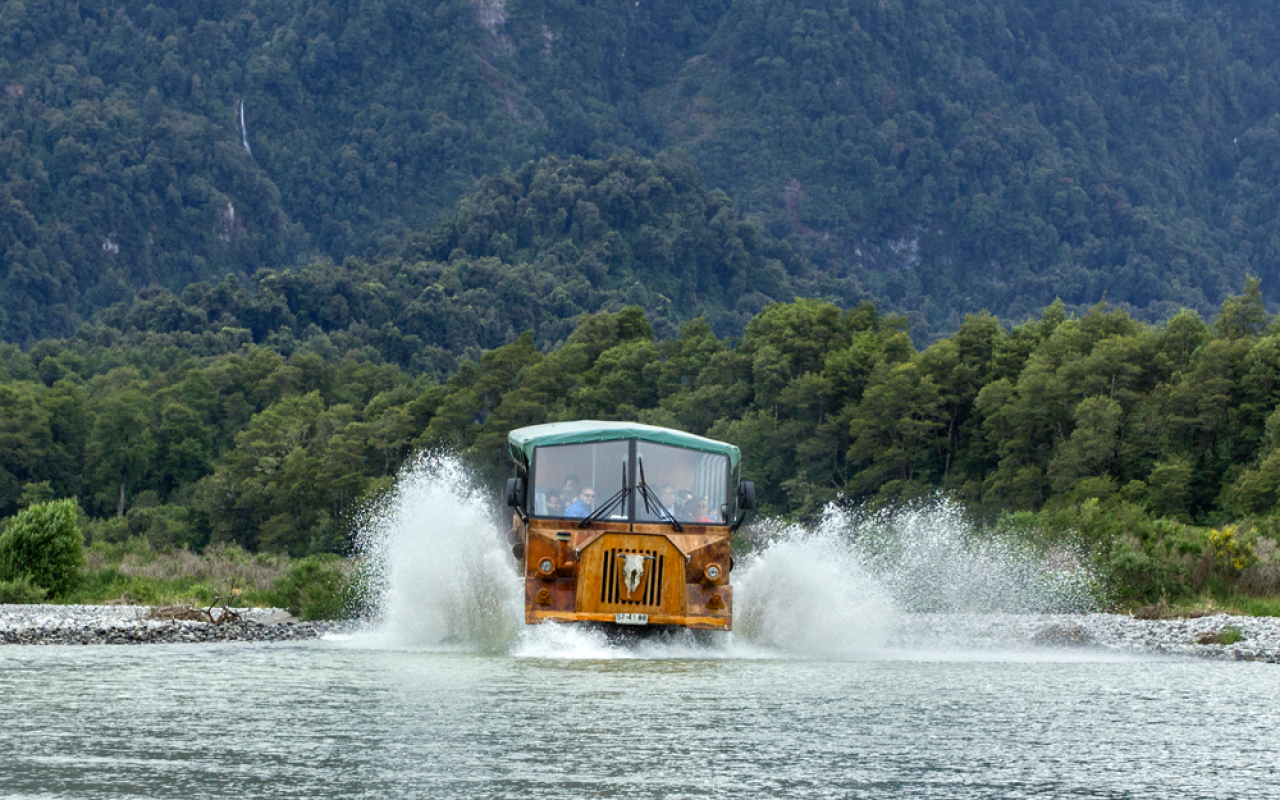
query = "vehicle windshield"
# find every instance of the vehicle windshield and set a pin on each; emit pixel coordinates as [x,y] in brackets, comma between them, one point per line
[572,480]
[691,485]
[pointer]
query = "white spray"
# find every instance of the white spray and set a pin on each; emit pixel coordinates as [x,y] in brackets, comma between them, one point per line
[807,592]
[931,557]
[440,575]
[437,571]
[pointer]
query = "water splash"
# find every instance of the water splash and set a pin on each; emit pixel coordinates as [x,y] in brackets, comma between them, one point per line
[840,587]
[807,592]
[440,576]
[931,557]
[438,573]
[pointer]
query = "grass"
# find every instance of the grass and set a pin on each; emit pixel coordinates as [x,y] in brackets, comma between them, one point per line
[321,586]
[1208,605]
[133,572]
[1224,636]
[1254,606]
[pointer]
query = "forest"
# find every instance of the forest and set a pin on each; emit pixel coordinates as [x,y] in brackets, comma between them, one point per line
[939,160]
[1099,425]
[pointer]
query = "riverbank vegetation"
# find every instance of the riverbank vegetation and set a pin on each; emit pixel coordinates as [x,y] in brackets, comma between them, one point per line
[43,557]
[1154,445]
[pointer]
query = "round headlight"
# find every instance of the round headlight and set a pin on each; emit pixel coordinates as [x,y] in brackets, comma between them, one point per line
[713,572]
[546,566]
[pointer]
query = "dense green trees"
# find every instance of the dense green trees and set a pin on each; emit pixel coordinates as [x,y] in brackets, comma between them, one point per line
[938,158]
[274,452]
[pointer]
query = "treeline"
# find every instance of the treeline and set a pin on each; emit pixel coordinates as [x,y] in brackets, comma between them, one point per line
[1065,415]
[249,447]
[939,158]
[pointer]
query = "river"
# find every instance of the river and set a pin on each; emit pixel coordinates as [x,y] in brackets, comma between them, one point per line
[339,719]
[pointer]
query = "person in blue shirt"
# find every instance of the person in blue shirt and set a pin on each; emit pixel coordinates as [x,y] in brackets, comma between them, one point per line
[583,505]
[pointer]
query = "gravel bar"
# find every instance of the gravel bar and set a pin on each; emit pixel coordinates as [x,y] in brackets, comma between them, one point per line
[1258,637]
[74,625]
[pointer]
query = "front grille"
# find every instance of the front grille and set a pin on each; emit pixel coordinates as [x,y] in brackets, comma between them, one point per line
[610,587]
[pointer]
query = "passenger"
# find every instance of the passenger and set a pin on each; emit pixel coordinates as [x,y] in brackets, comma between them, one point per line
[702,511]
[555,506]
[570,491]
[583,505]
[667,496]
[684,504]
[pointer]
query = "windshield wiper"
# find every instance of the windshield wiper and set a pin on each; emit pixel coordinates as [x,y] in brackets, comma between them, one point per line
[651,500]
[619,497]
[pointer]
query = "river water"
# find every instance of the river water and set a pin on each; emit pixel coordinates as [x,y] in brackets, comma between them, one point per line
[337,719]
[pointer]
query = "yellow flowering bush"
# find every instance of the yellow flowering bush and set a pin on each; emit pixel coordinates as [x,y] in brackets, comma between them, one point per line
[1229,551]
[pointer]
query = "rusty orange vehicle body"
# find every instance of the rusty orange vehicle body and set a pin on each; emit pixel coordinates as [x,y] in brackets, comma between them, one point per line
[621,524]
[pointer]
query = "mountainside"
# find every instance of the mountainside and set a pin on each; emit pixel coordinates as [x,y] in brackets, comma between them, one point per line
[530,250]
[939,158]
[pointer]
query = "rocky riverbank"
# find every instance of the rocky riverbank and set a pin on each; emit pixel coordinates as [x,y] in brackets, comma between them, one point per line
[1219,636]
[75,625]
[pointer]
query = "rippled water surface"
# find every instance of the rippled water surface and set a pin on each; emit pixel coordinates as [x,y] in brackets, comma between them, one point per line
[333,719]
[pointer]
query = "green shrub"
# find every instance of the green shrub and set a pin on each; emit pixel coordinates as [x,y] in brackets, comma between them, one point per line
[316,587]
[21,591]
[44,543]
[1137,575]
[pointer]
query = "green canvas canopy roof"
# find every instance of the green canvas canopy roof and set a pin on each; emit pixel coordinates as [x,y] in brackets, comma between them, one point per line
[522,441]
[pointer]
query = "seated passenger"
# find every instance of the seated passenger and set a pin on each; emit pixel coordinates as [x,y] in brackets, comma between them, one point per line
[555,506]
[667,496]
[570,491]
[684,504]
[702,511]
[582,506]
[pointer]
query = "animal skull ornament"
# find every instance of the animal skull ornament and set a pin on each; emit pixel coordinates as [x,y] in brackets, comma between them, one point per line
[633,569]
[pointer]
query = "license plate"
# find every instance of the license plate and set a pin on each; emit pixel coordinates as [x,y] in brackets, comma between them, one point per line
[631,619]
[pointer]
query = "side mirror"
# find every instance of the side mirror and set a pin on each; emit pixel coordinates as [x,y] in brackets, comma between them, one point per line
[746,495]
[515,492]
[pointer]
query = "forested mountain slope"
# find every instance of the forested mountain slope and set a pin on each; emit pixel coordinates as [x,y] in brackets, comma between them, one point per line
[941,157]
[530,250]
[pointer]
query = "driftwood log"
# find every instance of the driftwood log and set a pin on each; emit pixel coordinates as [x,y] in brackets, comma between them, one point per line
[190,611]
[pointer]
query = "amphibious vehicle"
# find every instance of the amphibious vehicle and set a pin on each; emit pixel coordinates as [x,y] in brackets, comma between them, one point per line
[625,524]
